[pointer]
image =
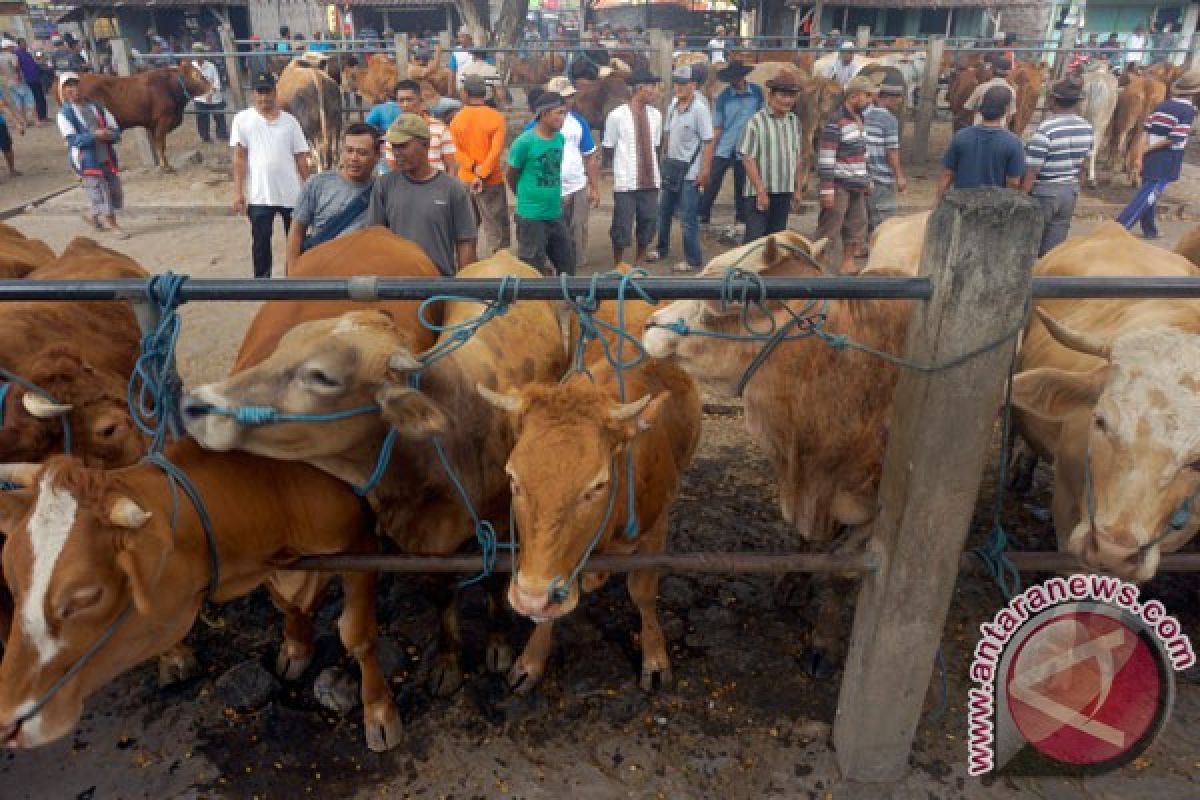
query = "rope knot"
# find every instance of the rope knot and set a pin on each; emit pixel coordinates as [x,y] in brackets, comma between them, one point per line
[255,415]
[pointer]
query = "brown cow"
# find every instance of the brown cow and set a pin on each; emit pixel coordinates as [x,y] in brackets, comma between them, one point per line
[820,414]
[87,546]
[962,86]
[1189,246]
[376,82]
[435,72]
[312,97]
[20,255]
[1135,102]
[570,487]
[1027,80]
[153,100]
[595,99]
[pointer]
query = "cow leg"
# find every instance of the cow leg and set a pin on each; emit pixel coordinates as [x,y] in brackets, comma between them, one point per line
[160,145]
[446,674]
[6,612]
[358,628]
[177,665]
[656,664]
[296,594]
[499,653]
[531,666]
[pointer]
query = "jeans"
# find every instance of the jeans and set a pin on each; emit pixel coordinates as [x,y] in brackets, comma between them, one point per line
[262,221]
[203,112]
[687,200]
[1142,208]
[575,214]
[881,204]
[539,239]
[39,100]
[773,220]
[715,178]
[1058,206]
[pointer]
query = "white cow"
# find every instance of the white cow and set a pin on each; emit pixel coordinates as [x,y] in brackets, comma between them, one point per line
[1099,103]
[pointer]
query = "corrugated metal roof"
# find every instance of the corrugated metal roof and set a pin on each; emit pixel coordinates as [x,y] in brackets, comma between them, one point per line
[398,5]
[151,3]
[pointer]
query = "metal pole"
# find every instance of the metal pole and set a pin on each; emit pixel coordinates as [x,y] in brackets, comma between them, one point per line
[927,105]
[233,71]
[1069,39]
[401,56]
[661,48]
[139,136]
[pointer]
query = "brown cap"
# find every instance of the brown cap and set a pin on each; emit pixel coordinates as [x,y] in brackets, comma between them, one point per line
[407,127]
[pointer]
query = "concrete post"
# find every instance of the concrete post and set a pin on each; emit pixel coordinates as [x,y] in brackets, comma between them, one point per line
[927,106]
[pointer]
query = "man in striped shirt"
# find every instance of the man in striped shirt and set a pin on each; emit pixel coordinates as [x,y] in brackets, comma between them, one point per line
[1054,159]
[883,154]
[842,170]
[771,151]
[1160,151]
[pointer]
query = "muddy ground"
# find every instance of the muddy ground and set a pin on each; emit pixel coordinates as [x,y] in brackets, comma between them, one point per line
[744,719]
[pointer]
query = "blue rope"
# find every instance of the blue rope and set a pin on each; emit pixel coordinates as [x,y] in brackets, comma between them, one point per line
[461,332]
[269,415]
[154,386]
[485,532]
[559,589]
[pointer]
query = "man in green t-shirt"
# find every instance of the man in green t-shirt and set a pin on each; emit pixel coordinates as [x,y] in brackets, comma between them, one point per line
[535,176]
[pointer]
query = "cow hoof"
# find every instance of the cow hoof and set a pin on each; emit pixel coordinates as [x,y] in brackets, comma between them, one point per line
[499,655]
[177,666]
[446,676]
[818,665]
[336,690]
[290,665]
[657,678]
[523,677]
[383,729]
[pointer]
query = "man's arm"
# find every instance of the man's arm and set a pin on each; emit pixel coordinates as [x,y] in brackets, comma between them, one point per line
[302,166]
[945,182]
[464,252]
[1030,176]
[827,148]
[495,148]
[591,166]
[893,160]
[511,176]
[239,179]
[376,211]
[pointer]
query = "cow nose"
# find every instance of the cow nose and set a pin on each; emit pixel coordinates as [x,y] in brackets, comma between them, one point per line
[528,603]
[1099,551]
[194,408]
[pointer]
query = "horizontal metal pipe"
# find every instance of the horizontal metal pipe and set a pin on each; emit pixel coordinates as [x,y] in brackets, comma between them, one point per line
[1042,561]
[1084,287]
[696,563]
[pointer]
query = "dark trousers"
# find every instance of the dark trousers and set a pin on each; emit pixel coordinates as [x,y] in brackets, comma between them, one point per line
[206,110]
[39,99]
[539,239]
[262,221]
[715,178]
[1143,206]
[773,220]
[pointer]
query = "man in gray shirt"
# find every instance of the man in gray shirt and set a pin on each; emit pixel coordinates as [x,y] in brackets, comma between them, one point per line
[422,204]
[335,203]
[689,133]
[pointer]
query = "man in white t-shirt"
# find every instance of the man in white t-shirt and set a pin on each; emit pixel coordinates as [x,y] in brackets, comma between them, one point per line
[213,103]
[271,153]
[633,131]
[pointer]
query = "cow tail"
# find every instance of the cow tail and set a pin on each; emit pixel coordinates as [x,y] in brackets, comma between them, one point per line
[324,126]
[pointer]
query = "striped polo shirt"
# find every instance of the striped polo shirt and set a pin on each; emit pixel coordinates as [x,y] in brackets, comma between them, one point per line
[1058,149]
[883,134]
[774,143]
[1171,120]
[842,153]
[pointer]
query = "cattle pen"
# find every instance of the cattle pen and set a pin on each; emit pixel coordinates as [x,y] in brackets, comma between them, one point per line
[963,331]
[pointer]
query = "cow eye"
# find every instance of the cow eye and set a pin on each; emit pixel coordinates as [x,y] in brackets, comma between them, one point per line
[1101,423]
[595,491]
[80,600]
[320,379]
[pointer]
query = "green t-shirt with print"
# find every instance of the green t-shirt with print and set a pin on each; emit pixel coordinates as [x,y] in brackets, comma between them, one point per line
[539,187]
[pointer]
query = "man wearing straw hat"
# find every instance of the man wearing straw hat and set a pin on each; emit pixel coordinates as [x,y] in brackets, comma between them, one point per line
[771,149]
[1054,159]
[1159,157]
[733,108]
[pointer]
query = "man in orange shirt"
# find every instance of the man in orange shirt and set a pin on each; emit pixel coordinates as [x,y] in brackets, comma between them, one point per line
[479,132]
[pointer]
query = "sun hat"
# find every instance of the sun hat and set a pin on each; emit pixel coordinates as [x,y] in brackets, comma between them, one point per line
[735,71]
[786,81]
[64,77]
[562,85]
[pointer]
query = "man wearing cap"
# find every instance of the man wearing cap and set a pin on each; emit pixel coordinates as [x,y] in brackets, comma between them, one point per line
[632,132]
[461,55]
[987,154]
[270,163]
[883,154]
[1159,157]
[211,104]
[771,150]
[478,67]
[442,152]
[421,203]
[334,203]
[689,135]
[535,177]
[64,59]
[733,108]
[1054,161]
[580,168]
[1000,69]
[842,171]
[91,131]
[479,132]
[843,67]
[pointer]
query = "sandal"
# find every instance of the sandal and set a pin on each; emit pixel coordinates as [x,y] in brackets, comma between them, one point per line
[683,267]
[652,256]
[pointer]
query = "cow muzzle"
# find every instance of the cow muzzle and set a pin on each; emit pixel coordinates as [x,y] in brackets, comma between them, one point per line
[212,431]
[537,605]
[659,341]
[1099,551]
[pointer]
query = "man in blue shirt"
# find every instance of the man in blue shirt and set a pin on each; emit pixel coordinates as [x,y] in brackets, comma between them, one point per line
[987,154]
[732,109]
[1160,152]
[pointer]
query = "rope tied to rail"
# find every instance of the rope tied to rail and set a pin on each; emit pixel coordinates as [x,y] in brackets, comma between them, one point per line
[154,385]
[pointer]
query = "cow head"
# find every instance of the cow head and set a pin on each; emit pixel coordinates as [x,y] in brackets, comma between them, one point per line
[195,82]
[1129,424]
[566,470]
[79,554]
[719,363]
[319,367]
[91,400]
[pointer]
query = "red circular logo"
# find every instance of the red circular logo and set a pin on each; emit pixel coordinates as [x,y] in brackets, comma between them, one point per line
[1086,688]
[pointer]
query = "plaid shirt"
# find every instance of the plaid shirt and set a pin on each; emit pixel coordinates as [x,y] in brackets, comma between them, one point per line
[842,153]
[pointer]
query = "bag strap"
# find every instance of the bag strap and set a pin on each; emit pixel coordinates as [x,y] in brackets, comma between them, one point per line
[339,221]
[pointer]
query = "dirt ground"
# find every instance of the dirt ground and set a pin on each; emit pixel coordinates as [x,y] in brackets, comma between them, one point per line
[744,719]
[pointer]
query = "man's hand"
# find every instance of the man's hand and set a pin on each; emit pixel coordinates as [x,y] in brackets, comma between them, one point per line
[239,203]
[901,183]
[797,200]
[702,180]
[762,201]
[593,195]
[827,200]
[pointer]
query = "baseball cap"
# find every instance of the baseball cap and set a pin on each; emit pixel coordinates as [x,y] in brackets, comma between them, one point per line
[863,83]
[475,85]
[547,101]
[63,77]
[562,85]
[407,127]
[263,81]
[995,102]
[683,74]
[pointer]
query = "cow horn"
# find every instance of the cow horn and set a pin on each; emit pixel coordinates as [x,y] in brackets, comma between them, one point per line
[1074,340]
[20,473]
[630,410]
[403,361]
[504,402]
[43,408]
[127,514]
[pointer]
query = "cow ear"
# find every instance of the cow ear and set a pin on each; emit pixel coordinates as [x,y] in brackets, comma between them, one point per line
[140,556]
[1055,393]
[411,413]
[14,506]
